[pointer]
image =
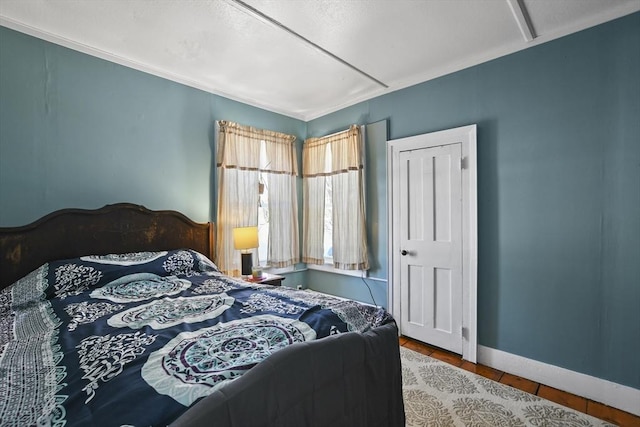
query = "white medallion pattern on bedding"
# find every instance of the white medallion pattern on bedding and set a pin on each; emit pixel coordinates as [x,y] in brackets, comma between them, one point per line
[358,317]
[103,357]
[72,279]
[208,358]
[260,302]
[29,359]
[124,259]
[137,338]
[140,287]
[85,312]
[214,286]
[167,312]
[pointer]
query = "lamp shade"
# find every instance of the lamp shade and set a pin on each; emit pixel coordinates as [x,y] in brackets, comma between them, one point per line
[245,237]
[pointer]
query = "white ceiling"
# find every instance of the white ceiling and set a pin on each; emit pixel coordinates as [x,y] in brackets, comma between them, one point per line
[301,58]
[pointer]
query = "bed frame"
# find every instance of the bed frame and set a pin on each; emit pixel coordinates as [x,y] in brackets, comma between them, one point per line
[341,380]
[117,228]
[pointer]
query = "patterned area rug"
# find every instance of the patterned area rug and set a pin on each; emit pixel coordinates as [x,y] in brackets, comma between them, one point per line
[438,394]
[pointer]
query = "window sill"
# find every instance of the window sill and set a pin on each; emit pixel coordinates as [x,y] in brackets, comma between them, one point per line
[328,268]
[275,270]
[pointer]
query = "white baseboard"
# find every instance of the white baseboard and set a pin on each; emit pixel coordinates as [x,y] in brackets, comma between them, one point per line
[603,391]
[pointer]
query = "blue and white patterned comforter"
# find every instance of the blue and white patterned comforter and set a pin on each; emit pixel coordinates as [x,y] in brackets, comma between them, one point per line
[135,339]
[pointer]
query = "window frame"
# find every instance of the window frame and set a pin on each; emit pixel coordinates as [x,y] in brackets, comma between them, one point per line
[328,267]
[261,181]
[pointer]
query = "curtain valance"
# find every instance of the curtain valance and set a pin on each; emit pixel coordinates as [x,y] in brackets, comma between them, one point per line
[235,153]
[345,153]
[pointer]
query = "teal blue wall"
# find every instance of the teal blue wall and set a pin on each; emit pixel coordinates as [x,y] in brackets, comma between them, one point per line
[558,194]
[558,165]
[77,131]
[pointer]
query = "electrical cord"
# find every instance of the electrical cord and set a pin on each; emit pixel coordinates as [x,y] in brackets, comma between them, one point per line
[370,293]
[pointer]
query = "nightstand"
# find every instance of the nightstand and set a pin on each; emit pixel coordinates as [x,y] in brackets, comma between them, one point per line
[267,279]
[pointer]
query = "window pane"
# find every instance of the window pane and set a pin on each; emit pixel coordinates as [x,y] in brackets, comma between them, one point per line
[328,212]
[263,209]
[328,222]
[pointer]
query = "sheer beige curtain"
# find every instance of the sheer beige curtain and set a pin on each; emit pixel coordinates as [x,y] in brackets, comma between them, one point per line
[345,168]
[315,170]
[280,175]
[238,161]
[239,166]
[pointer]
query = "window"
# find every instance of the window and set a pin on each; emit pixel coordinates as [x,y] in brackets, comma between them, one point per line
[263,221]
[334,232]
[263,209]
[327,246]
[257,186]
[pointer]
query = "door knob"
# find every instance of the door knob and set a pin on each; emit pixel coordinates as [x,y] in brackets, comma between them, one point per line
[404,252]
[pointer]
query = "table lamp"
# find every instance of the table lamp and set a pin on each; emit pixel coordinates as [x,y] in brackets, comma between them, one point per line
[245,239]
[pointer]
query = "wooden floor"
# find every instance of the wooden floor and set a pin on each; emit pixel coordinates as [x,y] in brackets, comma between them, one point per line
[578,403]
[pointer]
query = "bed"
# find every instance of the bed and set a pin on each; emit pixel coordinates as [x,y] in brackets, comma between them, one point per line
[118,316]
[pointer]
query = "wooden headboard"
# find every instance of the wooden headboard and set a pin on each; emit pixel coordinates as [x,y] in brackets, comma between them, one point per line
[118,228]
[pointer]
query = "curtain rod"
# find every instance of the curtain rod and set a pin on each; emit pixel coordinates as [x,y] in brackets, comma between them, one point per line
[362,128]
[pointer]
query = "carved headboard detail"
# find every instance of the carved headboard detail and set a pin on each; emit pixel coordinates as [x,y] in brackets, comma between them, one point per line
[117,228]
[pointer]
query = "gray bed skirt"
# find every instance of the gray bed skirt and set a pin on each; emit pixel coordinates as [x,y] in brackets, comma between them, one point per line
[350,379]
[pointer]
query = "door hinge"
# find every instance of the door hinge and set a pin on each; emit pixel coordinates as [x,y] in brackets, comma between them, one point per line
[463,163]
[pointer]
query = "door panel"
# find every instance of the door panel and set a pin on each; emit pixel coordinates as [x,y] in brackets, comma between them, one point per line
[413,188]
[416,313]
[442,198]
[430,233]
[442,285]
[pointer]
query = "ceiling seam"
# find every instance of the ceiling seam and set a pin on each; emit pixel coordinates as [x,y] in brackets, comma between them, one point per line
[523,19]
[316,46]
